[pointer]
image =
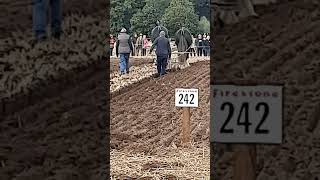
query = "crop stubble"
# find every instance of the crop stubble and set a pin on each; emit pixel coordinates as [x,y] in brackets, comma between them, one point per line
[144,119]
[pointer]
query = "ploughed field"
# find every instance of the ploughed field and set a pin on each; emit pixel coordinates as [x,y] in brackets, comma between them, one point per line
[145,128]
[282,45]
[53,105]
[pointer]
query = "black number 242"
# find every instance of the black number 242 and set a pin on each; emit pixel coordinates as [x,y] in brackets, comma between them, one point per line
[244,110]
[186,99]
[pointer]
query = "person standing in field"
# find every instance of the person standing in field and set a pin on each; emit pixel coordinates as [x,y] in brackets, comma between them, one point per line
[199,44]
[145,45]
[124,47]
[139,45]
[112,42]
[208,38]
[39,18]
[134,41]
[205,45]
[192,49]
[163,52]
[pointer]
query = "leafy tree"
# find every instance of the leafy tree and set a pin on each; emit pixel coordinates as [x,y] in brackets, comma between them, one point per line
[145,20]
[180,13]
[122,11]
[204,25]
[202,8]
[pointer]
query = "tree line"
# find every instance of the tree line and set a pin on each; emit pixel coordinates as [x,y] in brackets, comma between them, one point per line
[140,16]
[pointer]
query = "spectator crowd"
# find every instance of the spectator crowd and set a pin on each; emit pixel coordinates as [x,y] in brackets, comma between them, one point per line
[141,44]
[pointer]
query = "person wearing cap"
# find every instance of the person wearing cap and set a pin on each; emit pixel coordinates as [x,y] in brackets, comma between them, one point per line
[123,48]
[39,18]
[163,52]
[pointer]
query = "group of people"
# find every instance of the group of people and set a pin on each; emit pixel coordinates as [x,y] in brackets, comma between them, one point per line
[200,45]
[124,45]
[140,44]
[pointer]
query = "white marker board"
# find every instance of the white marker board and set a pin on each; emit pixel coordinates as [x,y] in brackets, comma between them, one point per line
[246,114]
[186,97]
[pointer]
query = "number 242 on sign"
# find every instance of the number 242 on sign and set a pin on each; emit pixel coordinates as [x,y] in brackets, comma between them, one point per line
[186,97]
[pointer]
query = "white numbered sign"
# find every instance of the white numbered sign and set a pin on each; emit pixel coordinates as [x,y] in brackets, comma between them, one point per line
[246,114]
[186,97]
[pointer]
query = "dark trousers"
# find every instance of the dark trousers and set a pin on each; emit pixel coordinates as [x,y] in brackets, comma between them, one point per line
[111,49]
[192,51]
[205,51]
[39,17]
[144,52]
[161,64]
[138,50]
[199,53]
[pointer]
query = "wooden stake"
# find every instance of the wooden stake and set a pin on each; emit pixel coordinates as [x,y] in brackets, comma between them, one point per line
[244,162]
[186,129]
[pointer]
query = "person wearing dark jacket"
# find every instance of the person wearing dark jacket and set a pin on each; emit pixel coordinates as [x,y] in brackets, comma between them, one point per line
[206,45]
[124,47]
[163,52]
[134,41]
[199,44]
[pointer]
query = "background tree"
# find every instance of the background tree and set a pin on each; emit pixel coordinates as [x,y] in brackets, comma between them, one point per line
[180,13]
[122,11]
[204,25]
[145,20]
[202,8]
[141,15]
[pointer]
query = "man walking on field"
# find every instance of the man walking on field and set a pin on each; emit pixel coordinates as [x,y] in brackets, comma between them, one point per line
[124,47]
[163,52]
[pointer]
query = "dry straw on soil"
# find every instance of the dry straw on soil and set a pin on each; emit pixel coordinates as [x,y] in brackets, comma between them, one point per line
[170,163]
[138,73]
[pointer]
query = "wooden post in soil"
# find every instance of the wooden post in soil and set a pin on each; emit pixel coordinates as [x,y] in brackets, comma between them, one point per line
[244,162]
[245,156]
[186,129]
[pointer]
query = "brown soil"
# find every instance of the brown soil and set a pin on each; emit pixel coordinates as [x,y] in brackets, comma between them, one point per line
[61,137]
[282,46]
[114,62]
[58,130]
[144,119]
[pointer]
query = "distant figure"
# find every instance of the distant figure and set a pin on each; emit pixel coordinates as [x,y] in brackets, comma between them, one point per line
[139,45]
[209,45]
[39,17]
[112,42]
[192,49]
[205,45]
[163,52]
[134,41]
[199,44]
[124,47]
[145,45]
